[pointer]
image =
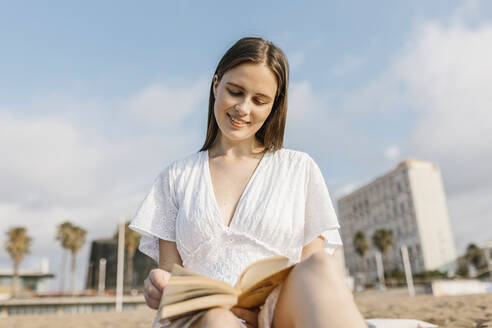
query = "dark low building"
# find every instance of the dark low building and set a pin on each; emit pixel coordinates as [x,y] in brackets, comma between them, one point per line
[108,249]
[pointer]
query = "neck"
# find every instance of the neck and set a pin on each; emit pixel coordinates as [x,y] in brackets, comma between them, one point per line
[235,148]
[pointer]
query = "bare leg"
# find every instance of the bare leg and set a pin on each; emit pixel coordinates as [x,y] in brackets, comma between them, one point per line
[315,295]
[217,318]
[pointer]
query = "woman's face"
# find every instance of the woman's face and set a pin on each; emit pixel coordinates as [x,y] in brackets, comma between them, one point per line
[243,100]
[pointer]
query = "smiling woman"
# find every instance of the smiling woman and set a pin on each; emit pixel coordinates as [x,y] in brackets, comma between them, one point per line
[243,198]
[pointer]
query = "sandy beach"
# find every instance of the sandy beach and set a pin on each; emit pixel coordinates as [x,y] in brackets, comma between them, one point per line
[445,311]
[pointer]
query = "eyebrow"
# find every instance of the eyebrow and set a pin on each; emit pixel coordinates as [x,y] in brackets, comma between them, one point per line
[240,87]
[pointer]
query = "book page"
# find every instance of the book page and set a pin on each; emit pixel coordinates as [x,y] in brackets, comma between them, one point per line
[260,278]
[184,283]
[181,288]
[260,270]
[174,310]
[187,292]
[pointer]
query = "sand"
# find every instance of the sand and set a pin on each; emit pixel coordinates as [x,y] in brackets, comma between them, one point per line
[139,318]
[445,311]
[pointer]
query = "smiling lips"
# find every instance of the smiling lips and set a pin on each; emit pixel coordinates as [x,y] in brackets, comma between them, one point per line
[237,122]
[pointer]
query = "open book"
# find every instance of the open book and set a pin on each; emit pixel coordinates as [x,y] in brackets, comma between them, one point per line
[188,292]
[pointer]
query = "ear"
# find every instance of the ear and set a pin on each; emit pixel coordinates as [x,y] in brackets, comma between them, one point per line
[215,84]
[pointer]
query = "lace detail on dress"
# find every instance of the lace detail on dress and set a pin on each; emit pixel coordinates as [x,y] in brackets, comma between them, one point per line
[227,254]
[320,217]
[156,217]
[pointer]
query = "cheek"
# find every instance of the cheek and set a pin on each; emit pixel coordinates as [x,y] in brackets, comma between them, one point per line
[262,115]
[221,103]
[217,107]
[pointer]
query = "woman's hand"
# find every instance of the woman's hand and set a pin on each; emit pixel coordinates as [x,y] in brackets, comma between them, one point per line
[154,286]
[248,315]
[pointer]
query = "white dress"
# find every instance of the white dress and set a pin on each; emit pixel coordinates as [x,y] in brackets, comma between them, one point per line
[284,206]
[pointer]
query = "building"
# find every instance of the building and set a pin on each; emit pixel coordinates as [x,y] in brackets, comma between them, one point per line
[108,249]
[29,280]
[409,201]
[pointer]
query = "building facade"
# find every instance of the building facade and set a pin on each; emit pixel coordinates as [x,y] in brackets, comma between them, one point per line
[108,249]
[30,281]
[409,201]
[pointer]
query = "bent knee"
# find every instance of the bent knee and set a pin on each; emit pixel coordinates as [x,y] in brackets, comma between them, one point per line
[218,317]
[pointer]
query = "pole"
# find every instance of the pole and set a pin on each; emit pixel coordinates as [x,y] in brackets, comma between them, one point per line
[408,270]
[379,267]
[63,270]
[102,277]
[121,259]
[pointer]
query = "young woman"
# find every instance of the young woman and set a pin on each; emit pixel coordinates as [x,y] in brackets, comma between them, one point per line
[244,197]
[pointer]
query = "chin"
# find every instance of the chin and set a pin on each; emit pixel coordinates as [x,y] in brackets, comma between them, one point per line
[237,135]
[235,138]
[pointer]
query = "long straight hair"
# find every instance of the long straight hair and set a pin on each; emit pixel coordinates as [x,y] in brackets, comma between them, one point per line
[257,51]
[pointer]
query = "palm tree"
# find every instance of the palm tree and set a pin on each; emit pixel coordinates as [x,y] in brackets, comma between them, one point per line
[383,239]
[474,255]
[18,243]
[63,235]
[132,239]
[361,245]
[75,242]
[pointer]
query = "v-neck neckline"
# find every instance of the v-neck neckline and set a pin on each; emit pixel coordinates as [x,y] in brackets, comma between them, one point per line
[211,190]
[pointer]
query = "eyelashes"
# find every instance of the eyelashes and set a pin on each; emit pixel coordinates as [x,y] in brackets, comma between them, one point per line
[235,94]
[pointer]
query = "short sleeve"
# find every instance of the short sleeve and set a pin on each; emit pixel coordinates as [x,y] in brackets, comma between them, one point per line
[320,216]
[156,216]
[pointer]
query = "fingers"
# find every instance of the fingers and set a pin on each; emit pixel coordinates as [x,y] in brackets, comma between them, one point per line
[154,285]
[152,303]
[152,295]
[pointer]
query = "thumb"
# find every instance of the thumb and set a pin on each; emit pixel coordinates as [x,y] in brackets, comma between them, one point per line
[159,278]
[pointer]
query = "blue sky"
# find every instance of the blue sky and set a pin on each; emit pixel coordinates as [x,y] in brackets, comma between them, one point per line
[95,98]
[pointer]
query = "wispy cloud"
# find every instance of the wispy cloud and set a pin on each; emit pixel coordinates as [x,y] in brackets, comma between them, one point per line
[168,105]
[392,153]
[53,169]
[443,74]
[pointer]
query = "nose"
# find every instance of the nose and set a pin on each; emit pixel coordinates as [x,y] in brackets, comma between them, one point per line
[241,109]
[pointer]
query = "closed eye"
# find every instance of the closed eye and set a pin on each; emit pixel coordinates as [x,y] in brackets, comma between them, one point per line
[234,93]
[240,93]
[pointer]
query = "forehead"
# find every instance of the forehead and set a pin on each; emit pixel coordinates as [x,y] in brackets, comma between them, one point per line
[256,78]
